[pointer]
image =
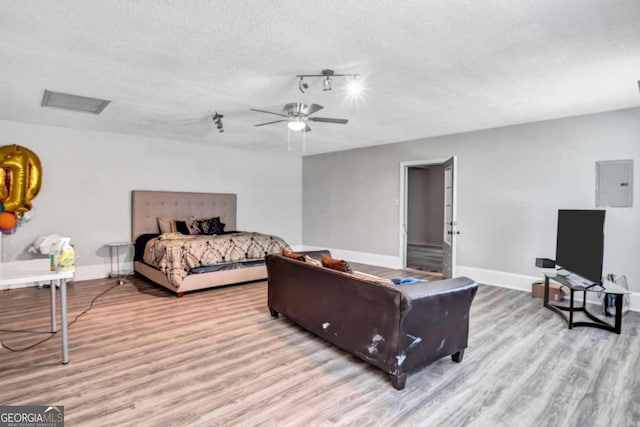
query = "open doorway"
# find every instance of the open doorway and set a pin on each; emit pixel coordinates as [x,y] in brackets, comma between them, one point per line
[428,215]
[425,217]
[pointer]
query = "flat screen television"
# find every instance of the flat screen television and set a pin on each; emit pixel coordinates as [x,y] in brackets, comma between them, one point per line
[580,242]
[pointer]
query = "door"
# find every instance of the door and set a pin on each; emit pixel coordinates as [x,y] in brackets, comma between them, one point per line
[450,220]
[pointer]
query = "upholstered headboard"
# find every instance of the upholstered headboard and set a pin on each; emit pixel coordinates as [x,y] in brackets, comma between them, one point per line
[148,206]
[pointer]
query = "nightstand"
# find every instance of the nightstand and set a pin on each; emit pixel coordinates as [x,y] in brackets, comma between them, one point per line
[114,253]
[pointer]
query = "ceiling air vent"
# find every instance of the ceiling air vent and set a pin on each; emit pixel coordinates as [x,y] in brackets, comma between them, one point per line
[67,101]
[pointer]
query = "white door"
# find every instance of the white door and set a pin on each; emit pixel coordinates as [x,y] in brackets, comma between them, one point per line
[450,221]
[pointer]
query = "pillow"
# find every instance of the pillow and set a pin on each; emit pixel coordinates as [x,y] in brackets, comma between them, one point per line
[335,264]
[312,261]
[182,227]
[216,227]
[165,225]
[292,255]
[168,225]
[374,279]
[201,225]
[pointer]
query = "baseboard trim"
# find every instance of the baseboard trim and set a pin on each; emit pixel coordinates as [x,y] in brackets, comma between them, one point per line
[523,282]
[500,279]
[85,272]
[388,261]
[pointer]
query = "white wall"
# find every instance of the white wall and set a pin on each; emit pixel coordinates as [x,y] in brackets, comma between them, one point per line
[88,178]
[512,181]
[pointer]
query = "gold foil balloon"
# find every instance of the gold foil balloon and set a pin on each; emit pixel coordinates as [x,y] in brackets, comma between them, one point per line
[20,177]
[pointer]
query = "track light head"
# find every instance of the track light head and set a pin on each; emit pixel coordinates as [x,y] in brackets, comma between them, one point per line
[217,119]
[354,87]
[327,84]
[302,85]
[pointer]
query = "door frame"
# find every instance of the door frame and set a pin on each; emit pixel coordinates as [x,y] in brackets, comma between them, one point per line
[402,231]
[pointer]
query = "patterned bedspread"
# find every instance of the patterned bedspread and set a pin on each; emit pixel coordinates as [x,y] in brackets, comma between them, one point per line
[176,254]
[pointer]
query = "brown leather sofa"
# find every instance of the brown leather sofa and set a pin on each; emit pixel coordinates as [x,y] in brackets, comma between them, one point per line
[398,329]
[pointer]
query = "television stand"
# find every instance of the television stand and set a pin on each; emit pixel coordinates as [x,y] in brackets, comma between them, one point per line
[567,312]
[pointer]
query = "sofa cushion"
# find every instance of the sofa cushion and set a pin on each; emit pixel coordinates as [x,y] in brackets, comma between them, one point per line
[335,264]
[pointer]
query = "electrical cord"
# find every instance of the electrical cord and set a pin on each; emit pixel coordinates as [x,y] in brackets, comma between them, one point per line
[52,334]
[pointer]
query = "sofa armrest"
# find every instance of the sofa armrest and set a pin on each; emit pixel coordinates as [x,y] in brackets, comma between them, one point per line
[435,320]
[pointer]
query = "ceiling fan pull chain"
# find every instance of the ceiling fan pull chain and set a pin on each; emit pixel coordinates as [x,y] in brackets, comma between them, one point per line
[304,141]
[289,138]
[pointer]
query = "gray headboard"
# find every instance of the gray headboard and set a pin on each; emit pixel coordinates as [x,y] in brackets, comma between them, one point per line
[148,206]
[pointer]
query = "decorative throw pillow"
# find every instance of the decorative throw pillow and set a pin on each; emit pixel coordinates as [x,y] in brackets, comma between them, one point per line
[335,264]
[374,279]
[216,227]
[181,227]
[168,225]
[312,261]
[165,225]
[292,255]
[201,225]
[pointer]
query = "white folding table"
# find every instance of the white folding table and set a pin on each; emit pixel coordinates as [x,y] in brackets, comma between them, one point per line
[16,278]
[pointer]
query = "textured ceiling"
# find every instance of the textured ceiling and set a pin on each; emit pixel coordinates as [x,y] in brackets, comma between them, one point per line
[429,67]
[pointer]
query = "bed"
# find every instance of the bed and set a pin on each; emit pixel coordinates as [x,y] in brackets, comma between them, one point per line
[148,206]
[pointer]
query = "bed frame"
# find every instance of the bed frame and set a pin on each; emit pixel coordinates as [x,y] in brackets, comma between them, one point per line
[148,206]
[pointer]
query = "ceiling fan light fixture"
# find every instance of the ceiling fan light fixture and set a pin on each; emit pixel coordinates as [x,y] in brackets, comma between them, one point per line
[296,124]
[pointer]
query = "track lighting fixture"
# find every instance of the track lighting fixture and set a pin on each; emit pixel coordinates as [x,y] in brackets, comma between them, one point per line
[327,81]
[217,119]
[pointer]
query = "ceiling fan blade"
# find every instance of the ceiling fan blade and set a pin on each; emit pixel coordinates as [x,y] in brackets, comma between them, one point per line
[328,120]
[310,109]
[268,123]
[268,112]
[306,129]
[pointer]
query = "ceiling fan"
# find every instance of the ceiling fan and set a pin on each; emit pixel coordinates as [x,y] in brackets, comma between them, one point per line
[296,114]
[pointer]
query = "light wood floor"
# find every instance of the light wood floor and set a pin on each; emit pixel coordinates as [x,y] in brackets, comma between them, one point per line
[424,257]
[143,357]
